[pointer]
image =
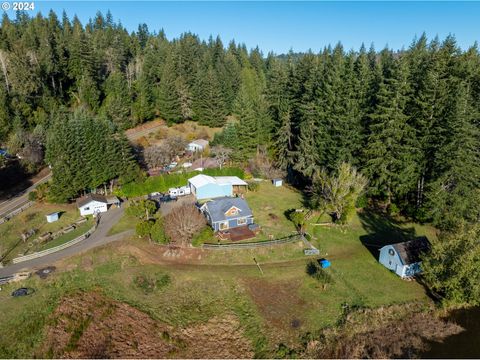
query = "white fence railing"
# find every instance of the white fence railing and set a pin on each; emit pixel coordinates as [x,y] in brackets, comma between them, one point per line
[16,212]
[54,249]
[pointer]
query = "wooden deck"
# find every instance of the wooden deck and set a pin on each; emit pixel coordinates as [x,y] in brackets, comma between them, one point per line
[236,234]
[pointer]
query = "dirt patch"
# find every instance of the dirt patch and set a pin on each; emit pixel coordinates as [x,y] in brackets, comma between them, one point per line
[89,325]
[279,303]
[87,263]
[157,254]
[273,217]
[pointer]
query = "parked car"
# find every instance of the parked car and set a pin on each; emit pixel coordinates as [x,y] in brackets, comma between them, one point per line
[168,198]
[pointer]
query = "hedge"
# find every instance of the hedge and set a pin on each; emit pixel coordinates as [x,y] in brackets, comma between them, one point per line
[162,183]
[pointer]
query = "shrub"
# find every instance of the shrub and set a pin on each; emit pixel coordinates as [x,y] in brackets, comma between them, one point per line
[253,186]
[298,219]
[393,209]
[148,283]
[315,271]
[157,232]
[144,228]
[203,236]
[32,195]
[362,202]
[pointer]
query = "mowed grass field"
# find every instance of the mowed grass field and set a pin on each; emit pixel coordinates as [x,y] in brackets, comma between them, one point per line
[269,204]
[276,307]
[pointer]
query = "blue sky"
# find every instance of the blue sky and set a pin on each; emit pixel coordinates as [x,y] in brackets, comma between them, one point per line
[281,26]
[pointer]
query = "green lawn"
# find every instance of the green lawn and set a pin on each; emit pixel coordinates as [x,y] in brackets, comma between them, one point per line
[269,204]
[33,218]
[126,222]
[80,230]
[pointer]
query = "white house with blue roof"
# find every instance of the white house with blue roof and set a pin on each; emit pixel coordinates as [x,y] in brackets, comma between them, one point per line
[227,213]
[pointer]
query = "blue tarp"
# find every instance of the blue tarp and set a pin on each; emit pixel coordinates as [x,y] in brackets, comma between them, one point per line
[324,263]
[3,152]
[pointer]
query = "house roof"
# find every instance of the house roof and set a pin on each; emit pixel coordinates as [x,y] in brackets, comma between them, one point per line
[200,142]
[202,180]
[84,200]
[234,180]
[218,207]
[410,251]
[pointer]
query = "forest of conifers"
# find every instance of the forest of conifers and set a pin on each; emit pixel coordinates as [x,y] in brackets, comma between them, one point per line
[409,120]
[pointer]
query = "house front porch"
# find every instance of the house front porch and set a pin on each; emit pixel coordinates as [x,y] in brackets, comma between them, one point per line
[236,234]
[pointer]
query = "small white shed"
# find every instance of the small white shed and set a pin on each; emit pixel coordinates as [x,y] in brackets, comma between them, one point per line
[52,217]
[197,145]
[277,182]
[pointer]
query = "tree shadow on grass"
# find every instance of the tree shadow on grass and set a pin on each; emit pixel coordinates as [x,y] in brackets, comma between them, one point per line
[383,230]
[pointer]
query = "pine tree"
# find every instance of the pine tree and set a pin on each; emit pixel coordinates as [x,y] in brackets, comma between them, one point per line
[116,105]
[142,107]
[455,194]
[168,100]
[389,153]
[251,109]
[209,106]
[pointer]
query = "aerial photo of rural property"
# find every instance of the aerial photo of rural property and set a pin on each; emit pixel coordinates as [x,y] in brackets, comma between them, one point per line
[239,180]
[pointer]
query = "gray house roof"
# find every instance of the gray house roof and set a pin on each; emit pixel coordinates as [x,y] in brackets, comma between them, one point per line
[410,251]
[84,200]
[218,207]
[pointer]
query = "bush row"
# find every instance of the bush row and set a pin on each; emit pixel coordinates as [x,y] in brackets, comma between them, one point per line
[162,183]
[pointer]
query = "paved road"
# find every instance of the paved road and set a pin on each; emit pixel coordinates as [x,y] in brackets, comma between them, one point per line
[21,198]
[99,237]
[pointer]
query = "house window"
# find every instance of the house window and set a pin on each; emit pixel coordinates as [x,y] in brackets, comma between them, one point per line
[86,209]
[242,221]
[232,211]
[223,225]
[391,252]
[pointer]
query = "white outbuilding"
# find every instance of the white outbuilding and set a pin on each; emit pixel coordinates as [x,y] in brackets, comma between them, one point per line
[93,204]
[197,145]
[52,217]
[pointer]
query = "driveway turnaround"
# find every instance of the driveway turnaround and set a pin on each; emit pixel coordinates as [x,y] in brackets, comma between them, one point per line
[98,238]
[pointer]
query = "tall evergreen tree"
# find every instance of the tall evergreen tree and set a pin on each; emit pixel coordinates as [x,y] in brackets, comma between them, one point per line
[389,153]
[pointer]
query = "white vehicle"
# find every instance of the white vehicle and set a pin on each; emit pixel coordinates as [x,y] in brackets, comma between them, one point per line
[180,191]
[172,165]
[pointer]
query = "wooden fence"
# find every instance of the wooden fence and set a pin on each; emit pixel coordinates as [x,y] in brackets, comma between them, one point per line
[252,245]
[16,211]
[56,248]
